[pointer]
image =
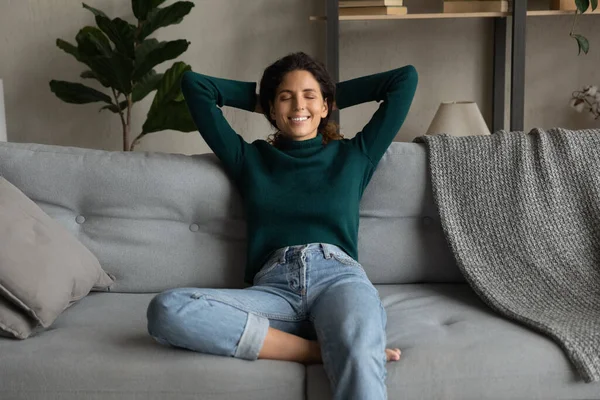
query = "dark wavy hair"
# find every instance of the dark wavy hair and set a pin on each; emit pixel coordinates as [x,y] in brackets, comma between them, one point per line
[272,78]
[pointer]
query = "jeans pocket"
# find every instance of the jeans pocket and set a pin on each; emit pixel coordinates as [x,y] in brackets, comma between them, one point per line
[265,270]
[346,259]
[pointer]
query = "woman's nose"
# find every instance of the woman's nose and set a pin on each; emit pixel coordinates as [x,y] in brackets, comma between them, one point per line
[299,105]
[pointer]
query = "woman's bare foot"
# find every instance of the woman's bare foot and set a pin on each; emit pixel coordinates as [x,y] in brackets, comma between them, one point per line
[281,345]
[393,354]
[315,353]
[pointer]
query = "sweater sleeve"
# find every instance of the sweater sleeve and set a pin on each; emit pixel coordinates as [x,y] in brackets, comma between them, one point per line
[397,89]
[204,95]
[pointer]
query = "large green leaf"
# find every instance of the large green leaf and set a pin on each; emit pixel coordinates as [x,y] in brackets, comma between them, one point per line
[166,112]
[162,52]
[145,85]
[77,93]
[141,8]
[69,48]
[115,69]
[114,108]
[582,5]
[170,86]
[174,116]
[582,43]
[161,17]
[92,42]
[92,75]
[94,10]
[156,3]
[142,50]
[594,4]
[120,32]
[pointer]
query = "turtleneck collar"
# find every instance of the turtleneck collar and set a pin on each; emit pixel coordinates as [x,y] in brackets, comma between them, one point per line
[289,144]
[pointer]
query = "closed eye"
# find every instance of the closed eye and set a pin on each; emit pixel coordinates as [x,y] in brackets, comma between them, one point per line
[289,98]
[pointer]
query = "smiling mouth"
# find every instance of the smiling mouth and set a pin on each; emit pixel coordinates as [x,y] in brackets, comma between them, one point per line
[299,120]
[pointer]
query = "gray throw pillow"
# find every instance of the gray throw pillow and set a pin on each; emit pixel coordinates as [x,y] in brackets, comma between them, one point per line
[43,268]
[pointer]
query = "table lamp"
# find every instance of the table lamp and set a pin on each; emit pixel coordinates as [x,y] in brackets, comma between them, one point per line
[458,118]
[2,114]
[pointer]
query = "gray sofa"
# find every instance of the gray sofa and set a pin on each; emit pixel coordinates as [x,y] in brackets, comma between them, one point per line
[157,221]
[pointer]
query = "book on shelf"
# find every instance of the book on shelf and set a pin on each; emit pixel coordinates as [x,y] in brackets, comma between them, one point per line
[351,11]
[467,6]
[371,3]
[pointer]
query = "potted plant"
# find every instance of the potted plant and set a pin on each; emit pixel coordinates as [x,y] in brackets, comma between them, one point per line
[582,6]
[121,57]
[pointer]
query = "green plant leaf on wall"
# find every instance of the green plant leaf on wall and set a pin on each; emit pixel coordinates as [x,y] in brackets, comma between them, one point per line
[69,48]
[145,47]
[161,17]
[174,115]
[141,8]
[91,75]
[166,112]
[120,32]
[594,4]
[162,52]
[582,5]
[114,108]
[91,42]
[77,93]
[156,3]
[115,69]
[94,10]
[144,86]
[582,43]
[170,86]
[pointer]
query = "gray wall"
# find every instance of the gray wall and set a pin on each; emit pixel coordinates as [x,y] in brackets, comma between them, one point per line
[237,39]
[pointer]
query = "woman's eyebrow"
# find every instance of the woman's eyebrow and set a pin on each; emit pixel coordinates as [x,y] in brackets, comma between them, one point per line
[289,91]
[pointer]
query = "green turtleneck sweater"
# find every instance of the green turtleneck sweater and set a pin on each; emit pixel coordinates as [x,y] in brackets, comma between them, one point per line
[304,192]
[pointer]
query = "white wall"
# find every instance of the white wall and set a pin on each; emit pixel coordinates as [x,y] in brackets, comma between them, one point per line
[237,39]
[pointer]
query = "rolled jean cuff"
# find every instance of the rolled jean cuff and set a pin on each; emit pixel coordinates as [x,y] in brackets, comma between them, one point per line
[253,337]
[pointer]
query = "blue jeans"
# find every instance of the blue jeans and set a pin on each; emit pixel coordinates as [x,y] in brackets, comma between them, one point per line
[315,291]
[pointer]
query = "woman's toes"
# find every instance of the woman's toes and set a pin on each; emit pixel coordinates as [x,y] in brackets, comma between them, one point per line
[393,354]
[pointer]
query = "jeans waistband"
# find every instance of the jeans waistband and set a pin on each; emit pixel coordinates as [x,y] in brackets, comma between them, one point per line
[284,253]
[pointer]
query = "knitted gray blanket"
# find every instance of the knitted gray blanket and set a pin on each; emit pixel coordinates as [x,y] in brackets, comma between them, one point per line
[521,214]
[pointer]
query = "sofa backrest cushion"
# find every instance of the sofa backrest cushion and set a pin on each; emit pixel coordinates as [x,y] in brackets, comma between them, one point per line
[157,221]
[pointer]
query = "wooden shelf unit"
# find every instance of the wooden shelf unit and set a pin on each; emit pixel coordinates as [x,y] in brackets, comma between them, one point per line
[519,14]
[533,13]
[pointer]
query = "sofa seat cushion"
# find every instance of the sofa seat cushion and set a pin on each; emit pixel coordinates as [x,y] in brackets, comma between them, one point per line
[99,349]
[455,347]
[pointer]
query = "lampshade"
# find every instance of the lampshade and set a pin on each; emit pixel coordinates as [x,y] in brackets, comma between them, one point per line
[2,114]
[458,118]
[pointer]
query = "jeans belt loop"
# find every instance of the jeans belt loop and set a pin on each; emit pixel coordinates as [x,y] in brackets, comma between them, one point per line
[326,250]
[283,255]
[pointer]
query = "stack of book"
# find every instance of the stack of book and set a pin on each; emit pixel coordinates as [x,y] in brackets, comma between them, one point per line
[469,6]
[372,7]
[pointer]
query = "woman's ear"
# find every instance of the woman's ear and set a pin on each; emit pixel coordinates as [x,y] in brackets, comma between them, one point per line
[325,110]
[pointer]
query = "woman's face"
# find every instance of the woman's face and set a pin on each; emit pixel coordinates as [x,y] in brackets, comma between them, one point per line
[299,106]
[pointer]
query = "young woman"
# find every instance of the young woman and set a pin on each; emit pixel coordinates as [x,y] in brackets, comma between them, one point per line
[301,189]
